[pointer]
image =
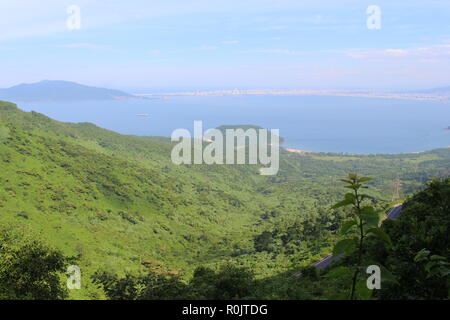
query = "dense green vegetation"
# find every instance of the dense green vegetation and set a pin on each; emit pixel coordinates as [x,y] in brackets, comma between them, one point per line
[407,271]
[29,269]
[363,224]
[420,255]
[118,206]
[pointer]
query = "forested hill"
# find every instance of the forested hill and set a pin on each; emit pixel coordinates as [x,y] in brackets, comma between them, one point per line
[117,203]
[415,264]
[53,90]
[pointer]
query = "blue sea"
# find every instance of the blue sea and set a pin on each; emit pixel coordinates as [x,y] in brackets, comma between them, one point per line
[315,123]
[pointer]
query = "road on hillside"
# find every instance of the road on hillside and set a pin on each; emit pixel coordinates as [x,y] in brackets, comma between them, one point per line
[392,214]
[325,262]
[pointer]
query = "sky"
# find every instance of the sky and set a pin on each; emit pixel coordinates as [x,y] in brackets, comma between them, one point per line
[173,45]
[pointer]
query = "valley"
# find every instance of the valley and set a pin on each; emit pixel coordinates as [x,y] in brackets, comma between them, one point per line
[117,203]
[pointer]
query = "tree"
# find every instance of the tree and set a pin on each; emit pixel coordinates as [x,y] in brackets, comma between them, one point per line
[148,286]
[30,270]
[364,222]
[264,242]
[229,282]
[419,256]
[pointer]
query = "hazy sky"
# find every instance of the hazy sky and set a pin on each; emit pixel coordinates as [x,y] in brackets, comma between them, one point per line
[209,44]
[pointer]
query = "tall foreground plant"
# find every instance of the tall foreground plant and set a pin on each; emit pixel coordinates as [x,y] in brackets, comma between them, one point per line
[364,222]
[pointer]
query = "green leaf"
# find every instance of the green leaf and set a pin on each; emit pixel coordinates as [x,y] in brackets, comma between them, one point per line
[436,257]
[345,246]
[369,216]
[368,210]
[387,276]
[339,272]
[347,226]
[350,196]
[421,255]
[444,272]
[361,290]
[371,221]
[380,234]
[366,196]
[365,179]
[342,203]
[428,268]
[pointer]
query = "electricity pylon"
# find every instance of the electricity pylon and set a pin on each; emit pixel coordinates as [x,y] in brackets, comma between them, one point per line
[396,189]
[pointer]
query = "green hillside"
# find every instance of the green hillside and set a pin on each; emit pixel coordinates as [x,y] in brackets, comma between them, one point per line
[117,202]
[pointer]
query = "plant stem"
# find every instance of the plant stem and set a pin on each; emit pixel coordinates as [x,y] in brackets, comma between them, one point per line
[361,239]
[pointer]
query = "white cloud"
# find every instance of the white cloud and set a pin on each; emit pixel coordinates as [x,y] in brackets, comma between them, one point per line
[207,48]
[273,51]
[331,73]
[274,28]
[158,52]
[25,18]
[396,52]
[84,46]
[430,52]
[230,42]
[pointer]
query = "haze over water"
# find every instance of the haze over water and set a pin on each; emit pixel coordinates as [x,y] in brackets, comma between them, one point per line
[316,123]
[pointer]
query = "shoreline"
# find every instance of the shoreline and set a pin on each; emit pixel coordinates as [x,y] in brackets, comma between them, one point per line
[299,151]
[334,93]
[304,152]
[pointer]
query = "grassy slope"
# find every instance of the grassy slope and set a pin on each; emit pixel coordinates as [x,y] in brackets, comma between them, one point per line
[117,200]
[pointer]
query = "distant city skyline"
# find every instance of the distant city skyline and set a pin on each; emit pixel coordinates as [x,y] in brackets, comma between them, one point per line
[176,45]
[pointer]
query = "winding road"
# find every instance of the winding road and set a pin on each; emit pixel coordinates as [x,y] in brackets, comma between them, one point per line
[325,262]
[392,214]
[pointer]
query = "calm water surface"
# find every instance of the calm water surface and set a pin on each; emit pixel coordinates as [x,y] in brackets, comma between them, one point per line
[334,124]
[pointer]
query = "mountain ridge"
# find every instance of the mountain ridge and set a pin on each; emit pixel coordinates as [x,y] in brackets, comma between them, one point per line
[59,90]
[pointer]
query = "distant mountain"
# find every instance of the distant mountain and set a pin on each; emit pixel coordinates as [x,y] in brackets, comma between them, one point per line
[59,91]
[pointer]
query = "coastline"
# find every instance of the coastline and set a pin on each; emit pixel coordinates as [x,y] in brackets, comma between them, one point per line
[304,152]
[301,92]
[292,150]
